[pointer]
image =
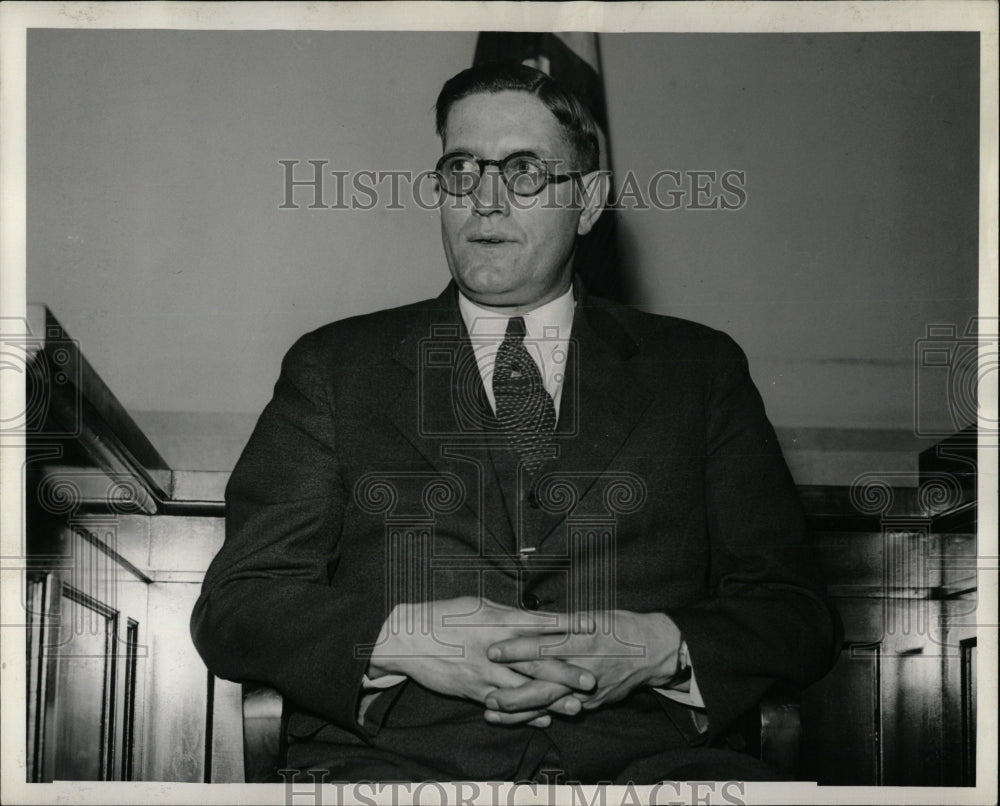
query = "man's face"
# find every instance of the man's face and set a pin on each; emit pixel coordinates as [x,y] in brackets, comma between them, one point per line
[506,250]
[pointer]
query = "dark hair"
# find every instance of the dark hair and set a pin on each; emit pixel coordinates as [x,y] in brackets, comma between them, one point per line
[490,77]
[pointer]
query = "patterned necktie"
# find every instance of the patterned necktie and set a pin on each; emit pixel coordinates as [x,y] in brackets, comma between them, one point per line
[525,410]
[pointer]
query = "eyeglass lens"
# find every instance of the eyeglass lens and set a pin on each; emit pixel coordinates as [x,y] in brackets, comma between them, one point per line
[523,174]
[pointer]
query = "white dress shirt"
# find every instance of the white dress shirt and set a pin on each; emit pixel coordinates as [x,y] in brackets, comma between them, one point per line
[546,338]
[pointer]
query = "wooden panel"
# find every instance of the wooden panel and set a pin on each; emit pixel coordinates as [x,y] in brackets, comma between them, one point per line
[901,561]
[903,725]
[184,545]
[125,539]
[968,685]
[913,750]
[227,732]
[83,724]
[955,556]
[131,671]
[200,487]
[923,695]
[895,718]
[85,652]
[43,601]
[110,558]
[844,751]
[176,691]
[85,408]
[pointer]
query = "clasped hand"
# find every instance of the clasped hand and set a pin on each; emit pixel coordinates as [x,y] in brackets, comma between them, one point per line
[525,665]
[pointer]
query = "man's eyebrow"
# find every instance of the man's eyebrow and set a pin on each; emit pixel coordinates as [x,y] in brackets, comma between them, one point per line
[541,152]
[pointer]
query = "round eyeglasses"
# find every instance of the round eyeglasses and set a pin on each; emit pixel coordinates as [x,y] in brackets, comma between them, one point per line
[524,173]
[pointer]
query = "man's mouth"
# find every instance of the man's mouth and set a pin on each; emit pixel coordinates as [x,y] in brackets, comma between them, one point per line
[488,239]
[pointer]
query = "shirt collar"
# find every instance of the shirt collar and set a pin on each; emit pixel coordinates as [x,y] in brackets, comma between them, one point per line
[553,320]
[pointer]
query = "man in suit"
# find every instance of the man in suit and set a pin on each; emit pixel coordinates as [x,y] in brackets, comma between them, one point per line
[515,531]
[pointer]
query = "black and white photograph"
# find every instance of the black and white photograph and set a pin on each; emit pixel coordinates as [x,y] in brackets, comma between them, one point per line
[499,402]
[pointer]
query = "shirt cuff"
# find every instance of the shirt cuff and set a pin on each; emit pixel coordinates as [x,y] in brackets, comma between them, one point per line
[691,697]
[690,694]
[371,689]
[385,681]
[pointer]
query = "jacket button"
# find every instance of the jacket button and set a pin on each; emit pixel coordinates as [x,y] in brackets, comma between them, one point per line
[529,601]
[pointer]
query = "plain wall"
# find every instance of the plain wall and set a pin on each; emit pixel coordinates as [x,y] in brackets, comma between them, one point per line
[155,234]
[860,225]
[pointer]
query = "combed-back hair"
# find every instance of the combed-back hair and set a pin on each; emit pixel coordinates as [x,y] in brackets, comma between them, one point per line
[491,77]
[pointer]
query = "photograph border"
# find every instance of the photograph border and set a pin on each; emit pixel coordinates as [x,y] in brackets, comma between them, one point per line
[749,17]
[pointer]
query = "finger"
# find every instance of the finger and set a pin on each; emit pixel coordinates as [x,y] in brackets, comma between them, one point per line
[569,705]
[542,623]
[511,650]
[532,696]
[553,670]
[535,647]
[502,676]
[537,718]
[497,677]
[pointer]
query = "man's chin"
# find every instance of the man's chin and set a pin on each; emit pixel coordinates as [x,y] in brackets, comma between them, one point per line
[497,300]
[489,287]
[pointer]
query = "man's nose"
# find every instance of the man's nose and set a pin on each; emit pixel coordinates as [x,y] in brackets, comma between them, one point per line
[490,195]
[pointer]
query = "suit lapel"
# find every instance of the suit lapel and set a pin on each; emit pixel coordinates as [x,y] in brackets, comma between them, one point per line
[602,402]
[443,411]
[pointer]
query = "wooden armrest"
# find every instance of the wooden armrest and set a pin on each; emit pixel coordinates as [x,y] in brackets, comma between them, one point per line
[781,730]
[263,734]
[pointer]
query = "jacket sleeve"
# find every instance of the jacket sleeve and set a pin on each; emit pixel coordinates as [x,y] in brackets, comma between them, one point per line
[767,617]
[267,612]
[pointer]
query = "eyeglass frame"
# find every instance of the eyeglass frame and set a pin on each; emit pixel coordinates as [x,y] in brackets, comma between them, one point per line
[482,164]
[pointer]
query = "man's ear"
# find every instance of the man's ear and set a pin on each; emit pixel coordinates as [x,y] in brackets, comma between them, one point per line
[595,187]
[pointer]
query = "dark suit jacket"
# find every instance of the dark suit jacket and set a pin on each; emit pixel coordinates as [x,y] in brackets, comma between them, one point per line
[376,443]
